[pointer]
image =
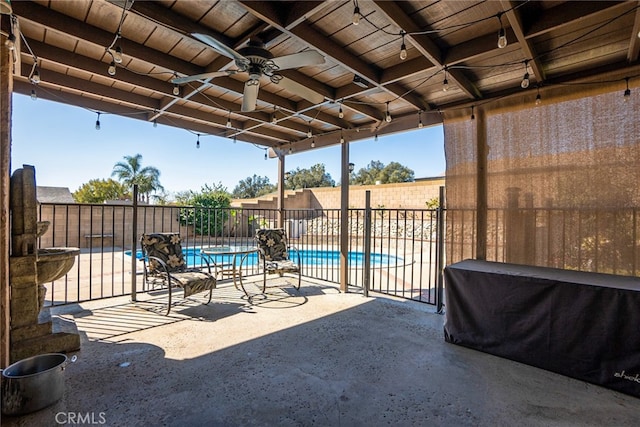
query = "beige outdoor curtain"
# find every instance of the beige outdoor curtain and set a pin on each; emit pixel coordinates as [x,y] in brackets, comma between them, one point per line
[561,181]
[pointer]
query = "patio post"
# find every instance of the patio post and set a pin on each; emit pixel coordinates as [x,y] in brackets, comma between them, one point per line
[281,183]
[344,219]
[440,251]
[366,274]
[481,185]
[134,244]
[6,89]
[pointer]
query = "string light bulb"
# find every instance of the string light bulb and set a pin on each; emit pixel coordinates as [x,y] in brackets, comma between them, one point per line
[229,120]
[538,97]
[35,75]
[355,19]
[403,48]
[112,68]
[10,43]
[525,79]
[34,95]
[98,122]
[155,123]
[473,116]
[445,82]
[341,138]
[420,125]
[290,150]
[198,141]
[502,36]
[388,116]
[341,113]
[313,143]
[265,154]
[627,91]
[309,133]
[375,138]
[117,55]
[176,90]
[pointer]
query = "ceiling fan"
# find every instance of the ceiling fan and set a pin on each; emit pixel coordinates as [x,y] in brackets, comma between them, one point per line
[256,60]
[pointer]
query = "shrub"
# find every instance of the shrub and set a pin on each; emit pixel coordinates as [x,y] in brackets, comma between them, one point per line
[207,211]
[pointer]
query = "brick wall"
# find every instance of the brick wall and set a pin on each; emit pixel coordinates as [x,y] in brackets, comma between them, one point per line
[110,225]
[400,195]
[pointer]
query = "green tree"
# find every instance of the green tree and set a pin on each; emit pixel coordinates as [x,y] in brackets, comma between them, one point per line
[99,190]
[377,171]
[130,172]
[207,211]
[315,176]
[253,186]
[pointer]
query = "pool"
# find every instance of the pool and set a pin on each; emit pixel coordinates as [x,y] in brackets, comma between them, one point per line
[308,257]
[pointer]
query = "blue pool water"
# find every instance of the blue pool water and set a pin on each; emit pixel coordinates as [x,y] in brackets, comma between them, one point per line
[309,257]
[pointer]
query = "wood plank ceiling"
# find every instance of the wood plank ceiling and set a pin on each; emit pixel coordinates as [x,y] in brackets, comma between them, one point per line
[362,79]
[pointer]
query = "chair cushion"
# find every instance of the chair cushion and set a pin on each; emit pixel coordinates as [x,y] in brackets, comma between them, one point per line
[273,242]
[194,281]
[281,266]
[167,247]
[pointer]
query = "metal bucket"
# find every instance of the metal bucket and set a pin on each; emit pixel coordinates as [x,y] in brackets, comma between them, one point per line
[33,383]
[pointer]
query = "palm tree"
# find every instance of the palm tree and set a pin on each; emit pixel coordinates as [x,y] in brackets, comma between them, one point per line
[131,172]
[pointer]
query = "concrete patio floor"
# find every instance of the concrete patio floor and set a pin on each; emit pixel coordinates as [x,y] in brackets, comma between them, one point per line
[313,357]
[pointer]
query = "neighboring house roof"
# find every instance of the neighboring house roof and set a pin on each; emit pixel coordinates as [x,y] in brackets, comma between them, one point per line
[54,195]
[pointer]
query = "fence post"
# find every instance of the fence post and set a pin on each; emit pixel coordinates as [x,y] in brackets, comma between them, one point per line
[367,242]
[440,251]
[134,244]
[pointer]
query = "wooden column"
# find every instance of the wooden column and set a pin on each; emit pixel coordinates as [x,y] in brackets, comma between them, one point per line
[344,219]
[6,89]
[481,183]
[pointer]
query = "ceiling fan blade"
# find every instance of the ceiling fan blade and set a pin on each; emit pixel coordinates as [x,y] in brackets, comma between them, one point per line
[250,95]
[308,57]
[214,74]
[301,90]
[219,46]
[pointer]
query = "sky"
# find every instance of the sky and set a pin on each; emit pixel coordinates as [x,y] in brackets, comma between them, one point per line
[61,141]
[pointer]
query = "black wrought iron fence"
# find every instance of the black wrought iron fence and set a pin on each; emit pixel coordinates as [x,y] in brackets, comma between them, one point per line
[394,252]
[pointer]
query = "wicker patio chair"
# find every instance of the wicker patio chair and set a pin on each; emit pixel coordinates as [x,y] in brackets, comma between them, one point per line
[165,266]
[274,254]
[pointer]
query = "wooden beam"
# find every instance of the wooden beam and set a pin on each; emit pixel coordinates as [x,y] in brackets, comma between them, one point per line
[83,63]
[526,45]
[406,69]
[144,104]
[300,11]
[561,16]
[425,45]
[267,11]
[634,43]
[173,21]
[79,62]
[51,19]
[59,22]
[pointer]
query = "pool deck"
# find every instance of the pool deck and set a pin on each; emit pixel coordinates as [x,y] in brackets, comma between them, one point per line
[299,358]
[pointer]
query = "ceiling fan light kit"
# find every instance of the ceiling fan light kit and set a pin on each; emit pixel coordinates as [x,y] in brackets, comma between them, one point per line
[255,60]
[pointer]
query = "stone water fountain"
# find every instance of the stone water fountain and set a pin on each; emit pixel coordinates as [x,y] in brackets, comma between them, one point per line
[33,329]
